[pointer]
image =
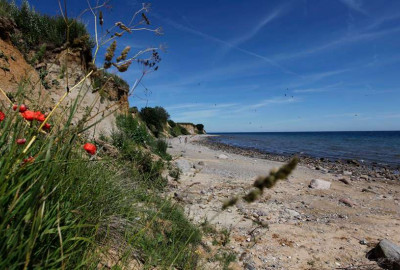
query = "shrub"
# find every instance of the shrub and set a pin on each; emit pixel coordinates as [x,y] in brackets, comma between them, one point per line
[200,128]
[183,130]
[171,123]
[160,149]
[133,110]
[155,118]
[129,129]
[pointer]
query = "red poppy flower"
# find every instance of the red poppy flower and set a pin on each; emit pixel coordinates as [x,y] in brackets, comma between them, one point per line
[47,126]
[15,107]
[21,141]
[2,116]
[29,115]
[40,116]
[90,148]
[22,108]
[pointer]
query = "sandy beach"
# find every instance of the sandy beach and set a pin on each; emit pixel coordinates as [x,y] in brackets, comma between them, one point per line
[292,226]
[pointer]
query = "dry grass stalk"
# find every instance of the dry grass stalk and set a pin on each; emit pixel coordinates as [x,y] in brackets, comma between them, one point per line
[263,182]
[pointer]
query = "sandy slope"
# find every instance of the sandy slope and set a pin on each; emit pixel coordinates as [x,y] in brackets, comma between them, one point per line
[308,228]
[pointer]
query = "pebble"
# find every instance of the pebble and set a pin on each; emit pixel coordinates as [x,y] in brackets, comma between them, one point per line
[347,202]
[345,181]
[319,184]
[363,242]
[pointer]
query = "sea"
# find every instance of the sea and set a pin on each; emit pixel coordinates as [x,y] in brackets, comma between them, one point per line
[378,147]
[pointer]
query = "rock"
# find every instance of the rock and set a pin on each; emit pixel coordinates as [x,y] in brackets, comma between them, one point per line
[183,165]
[201,163]
[345,181]
[353,162]
[261,213]
[319,184]
[178,197]
[363,242]
[347,173]
[222,156]
[293,213]
[347,202]
[249,266]
[364,177]
[386,254]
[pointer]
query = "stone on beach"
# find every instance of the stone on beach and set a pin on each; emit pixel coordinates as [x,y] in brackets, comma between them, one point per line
[319,184]
[345,181]
[347,202]
[222,156]
[386,254]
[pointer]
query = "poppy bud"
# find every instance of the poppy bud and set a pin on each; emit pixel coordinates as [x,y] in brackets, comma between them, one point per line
[47,126]
[90,148]
[29,160]
[21,141]
[22,108]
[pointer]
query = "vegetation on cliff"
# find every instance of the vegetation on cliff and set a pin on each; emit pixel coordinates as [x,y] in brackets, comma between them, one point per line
[158,121]
[34,29]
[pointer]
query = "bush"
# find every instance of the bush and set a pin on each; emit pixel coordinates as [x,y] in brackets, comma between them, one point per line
[171,123]
[161,147]
[129,130]
[155,118]
[133,110]
[183,130]
[200,128]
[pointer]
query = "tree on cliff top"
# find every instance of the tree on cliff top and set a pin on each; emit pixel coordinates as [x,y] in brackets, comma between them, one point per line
[155,118]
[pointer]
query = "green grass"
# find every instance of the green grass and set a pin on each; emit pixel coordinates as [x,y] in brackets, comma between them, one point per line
[65,207]
[36,29]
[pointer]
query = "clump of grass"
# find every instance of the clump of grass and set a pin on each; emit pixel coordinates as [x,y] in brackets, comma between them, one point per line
[225,258]
[36,29]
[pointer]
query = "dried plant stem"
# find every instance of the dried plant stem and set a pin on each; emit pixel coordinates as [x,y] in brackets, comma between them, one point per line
[4,94]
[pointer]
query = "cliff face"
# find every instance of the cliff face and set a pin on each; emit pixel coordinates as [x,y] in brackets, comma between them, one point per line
[50,76]
[192,128]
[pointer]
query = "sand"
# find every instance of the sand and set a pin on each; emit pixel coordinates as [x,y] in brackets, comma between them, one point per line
[301,228]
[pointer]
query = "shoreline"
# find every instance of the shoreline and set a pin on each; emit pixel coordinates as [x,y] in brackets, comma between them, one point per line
[352,168]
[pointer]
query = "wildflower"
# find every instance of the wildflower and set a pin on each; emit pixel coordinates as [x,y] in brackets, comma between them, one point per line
[2,116]
[90,148]
[40,116]
[47,126]
[29,115]
[22,108]
[21,141]
[15,107]
[29,160]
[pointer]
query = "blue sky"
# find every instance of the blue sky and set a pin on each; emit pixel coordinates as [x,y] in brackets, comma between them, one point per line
[301,65]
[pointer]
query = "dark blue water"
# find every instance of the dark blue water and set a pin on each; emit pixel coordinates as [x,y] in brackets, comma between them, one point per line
[382,147]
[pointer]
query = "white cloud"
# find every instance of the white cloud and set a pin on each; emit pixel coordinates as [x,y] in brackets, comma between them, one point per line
[224,43]
[356,5]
